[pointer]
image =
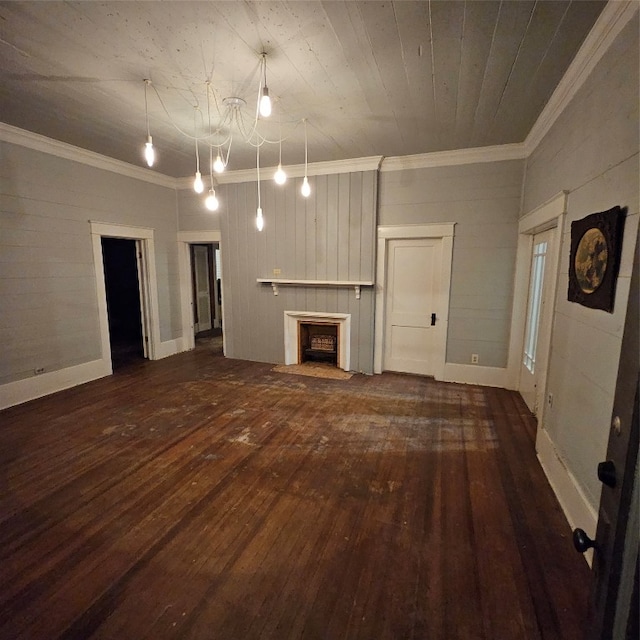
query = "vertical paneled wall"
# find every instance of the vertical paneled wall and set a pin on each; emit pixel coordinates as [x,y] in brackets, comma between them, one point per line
[484,202]
[591,152]
[193,215]
[329,236]
[48,302]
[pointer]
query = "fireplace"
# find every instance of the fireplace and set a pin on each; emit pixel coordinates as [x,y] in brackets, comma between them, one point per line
[318,342]
[317,336]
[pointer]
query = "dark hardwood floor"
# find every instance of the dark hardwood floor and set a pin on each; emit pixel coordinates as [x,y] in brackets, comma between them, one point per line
[202,497]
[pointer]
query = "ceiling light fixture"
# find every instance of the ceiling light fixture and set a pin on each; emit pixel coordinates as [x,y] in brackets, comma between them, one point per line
[305,190]
[149,153]
[265,100]
[211,201]
[218,165]
[232,121]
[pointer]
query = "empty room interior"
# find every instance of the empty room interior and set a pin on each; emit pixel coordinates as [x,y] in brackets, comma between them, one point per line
[319,319]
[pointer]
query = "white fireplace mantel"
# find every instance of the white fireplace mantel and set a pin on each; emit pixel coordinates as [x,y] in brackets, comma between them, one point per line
[277,282]
[293,318]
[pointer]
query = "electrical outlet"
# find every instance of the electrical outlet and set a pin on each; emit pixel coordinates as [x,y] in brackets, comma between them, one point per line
[474,358]
[550,399]
[277,272]
[38,370]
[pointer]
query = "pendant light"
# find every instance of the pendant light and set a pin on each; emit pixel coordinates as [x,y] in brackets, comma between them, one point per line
[265,100]
[305,190]
[211,201]
[218,165]
[198,185]
[259,217]
[280,176]
[149,152]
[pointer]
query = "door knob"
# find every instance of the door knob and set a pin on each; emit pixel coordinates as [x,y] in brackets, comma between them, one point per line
[582,542]
[607,473]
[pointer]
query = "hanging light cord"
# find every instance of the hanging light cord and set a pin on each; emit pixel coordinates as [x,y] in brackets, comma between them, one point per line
[258,173]
[146,107]
[305,147]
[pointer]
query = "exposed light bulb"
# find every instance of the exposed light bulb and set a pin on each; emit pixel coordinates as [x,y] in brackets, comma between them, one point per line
[305,190]
[218,165]
[149,152]
[259,219]
[265,103]
[198,185]
[280,176]
[211,201]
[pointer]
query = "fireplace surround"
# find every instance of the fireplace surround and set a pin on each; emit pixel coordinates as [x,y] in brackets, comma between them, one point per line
[292,328]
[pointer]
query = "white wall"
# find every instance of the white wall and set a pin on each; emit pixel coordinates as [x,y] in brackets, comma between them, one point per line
[483,199]
[48,299]
[592,152]
[194,216]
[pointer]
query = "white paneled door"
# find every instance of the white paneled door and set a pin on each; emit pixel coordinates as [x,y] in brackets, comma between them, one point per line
[411,332]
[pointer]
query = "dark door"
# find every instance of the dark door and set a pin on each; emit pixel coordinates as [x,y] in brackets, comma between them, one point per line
[613,609]
[123,300]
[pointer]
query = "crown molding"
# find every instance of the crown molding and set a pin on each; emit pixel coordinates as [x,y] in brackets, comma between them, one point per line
[371,163]
[37,142]
[614,17]
[456,157]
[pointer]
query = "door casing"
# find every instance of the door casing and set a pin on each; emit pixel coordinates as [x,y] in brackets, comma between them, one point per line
[148,285]
[185,238]
[443,231]
[548,216]
[532,385]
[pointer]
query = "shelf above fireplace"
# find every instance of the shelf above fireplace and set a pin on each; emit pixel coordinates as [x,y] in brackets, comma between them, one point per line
[278,282]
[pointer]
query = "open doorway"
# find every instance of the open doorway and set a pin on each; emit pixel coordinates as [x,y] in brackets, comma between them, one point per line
[124,311]
[206,290]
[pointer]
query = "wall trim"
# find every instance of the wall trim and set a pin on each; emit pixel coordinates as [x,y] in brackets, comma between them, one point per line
[614,17]
[574,504]
[473,374]
[37,142]
[456,157]
[350,165]
[27,389]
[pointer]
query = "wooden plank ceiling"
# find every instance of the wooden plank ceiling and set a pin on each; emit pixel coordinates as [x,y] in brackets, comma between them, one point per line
[372,78]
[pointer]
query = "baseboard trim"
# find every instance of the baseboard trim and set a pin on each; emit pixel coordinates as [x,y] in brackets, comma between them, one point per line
[20,391]
[574,504]
[473,374]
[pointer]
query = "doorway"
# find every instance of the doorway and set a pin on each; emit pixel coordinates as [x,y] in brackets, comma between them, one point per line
[124,309]
[206,289]
[538,322]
